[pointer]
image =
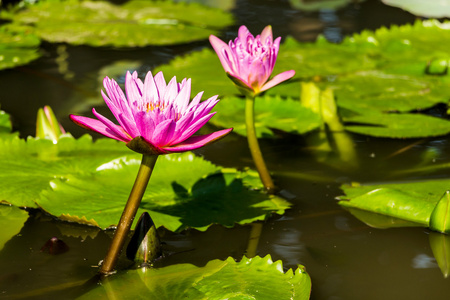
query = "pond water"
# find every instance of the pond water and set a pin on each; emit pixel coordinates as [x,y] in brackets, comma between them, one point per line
[345,258]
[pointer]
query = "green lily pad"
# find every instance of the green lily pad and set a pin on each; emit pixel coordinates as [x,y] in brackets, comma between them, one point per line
[321,4]
[11,222]
[270,113]
[136,23]
[18,46]
[251,278]
[376,91]
[305,58]
[28,166]
[394,125]
[412,202]
[400,70]
[175,198]
[424,8]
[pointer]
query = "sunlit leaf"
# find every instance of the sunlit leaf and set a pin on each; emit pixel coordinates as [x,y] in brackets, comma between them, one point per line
[136,23]
[184,191]
[412,202]
[270,113]
[11,222]
[424,8]
[255,278]
[440,217]
[27,167]
[18,46]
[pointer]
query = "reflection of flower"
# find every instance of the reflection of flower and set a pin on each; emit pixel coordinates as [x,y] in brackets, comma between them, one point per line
[249,61]
[154,117]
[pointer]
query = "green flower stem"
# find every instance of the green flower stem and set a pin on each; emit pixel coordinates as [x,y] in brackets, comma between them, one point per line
[134,200]
[254,146]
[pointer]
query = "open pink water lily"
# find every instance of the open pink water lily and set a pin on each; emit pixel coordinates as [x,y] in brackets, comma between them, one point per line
[249,60]
[154,117]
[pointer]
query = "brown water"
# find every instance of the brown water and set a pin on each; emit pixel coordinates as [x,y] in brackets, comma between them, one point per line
[345,258]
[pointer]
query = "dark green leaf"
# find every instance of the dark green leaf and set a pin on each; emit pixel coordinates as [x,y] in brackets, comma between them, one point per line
[136,23]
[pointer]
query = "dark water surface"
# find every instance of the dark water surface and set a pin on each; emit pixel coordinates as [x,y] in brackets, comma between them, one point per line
[345,258]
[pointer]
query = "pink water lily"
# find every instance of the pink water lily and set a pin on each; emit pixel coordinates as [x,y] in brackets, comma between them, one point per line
[154,117]
[249,61]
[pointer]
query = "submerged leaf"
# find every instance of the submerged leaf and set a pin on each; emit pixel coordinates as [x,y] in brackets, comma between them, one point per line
[12,220]
[254,278]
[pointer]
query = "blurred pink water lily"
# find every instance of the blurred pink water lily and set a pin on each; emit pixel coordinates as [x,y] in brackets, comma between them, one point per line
[249,61]
[154,117]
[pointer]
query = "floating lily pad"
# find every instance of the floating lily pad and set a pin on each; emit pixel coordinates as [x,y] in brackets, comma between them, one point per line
[254,278]
[136,23]
[306,5]
[375,91]
[175,198]
[89,183]
[27,167]
[413,201]
[394,125]
[18,46]
[403,69]
[11,222]
[270,113]
[424,8]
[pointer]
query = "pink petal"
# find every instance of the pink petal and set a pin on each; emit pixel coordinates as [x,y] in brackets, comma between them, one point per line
[119,131]
[193,128]
[243,35]
[160,83]
[163,133]
[150,89]
[171,91]
[223,52]
[277,80]
[266,34]
[182,99]
[97,126]
[195,101]
[134,93]
[145,125]
[195,142]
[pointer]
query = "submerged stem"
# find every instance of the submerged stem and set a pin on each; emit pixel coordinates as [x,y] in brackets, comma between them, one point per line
[134,200]
[254,146]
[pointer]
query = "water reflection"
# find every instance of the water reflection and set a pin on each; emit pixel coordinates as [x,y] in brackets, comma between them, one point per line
[424,261]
